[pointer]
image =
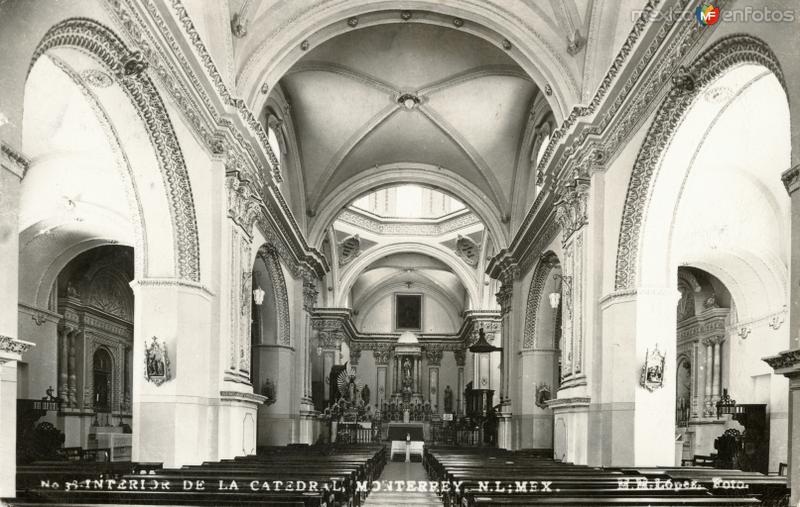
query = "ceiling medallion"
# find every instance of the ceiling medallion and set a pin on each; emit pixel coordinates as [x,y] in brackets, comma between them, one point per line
[506,44]
[304,45]
[352,22]
[405,15]
[548,90]
[718,94]
[264,88]
[97,78]
[458,22]
[408,101]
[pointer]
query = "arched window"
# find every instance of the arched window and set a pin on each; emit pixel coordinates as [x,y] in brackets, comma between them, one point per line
[103,369]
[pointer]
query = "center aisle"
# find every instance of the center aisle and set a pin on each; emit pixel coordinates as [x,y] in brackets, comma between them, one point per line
[394,471]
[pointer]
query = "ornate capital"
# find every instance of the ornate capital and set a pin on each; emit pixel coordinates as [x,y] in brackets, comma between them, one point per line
[382,354]
[461,356]
[310,291]
[243,206]
[571,207]
[329,339]
[355,354]
[504,297]
[791,179]
[433,353]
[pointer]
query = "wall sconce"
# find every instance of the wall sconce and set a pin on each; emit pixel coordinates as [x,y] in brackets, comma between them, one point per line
[258,292]
[555,297]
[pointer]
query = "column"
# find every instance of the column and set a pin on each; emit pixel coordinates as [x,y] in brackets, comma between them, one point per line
[175,316]
[415,361]
[715,391]
[433,387]
[12,168]
[709,377]
[63,361]
[434,353]
[788,363]
[72,369]
[695,379]
[461,358]
[328,360]
[504,298]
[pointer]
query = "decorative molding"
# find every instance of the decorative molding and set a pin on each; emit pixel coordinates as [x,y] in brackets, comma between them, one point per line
[791,179]
[730,51]
[543,269]
[392,227]
[97,78]
[269,255]
[13,161]
[788,359]
[129,70]
[242,397]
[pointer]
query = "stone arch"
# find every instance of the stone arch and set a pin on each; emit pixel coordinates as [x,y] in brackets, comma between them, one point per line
[688,83]
[422,174]
[128,67]
[354,269]
[547,263]
[269,255]
[279,50]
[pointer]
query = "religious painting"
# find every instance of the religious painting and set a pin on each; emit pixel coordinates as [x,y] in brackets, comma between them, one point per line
[653,370]
[157,364]
[408,311]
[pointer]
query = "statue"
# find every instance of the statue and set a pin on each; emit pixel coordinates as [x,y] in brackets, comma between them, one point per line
[407,372]
[365,395]
[349,386]
[448,400]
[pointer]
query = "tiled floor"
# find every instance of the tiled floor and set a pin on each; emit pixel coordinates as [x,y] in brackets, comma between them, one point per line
[401,472]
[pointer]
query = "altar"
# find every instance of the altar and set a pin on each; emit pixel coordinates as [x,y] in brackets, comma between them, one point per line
[408,439]
[407,377]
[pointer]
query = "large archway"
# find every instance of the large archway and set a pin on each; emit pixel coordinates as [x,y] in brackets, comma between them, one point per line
[706,193]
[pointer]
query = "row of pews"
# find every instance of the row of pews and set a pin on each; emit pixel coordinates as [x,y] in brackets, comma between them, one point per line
[530,477]
[295,475]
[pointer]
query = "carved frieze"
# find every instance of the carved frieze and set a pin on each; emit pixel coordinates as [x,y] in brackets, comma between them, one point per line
[9,344]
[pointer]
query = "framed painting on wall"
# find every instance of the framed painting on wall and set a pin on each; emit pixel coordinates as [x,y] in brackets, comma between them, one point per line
[408,312]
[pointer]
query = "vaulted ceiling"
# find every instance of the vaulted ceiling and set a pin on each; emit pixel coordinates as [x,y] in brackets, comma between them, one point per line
[408,93]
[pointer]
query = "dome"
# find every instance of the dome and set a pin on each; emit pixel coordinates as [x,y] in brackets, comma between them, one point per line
[408,338]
